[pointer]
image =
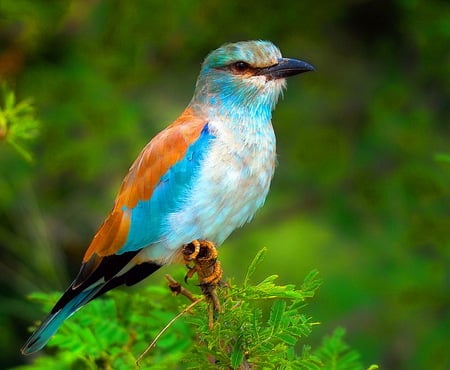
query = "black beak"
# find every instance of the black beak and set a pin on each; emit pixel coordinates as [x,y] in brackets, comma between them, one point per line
[285,67]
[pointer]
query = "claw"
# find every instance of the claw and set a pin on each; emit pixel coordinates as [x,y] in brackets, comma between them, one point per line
[191,272]
[203,254]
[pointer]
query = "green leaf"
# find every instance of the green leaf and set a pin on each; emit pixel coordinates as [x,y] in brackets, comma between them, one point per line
[237,353]
[276,313]
[311,283]
[253,265]
[287,338]
[336,354]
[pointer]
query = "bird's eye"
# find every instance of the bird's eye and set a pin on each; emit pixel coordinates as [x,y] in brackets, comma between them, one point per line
[240,66]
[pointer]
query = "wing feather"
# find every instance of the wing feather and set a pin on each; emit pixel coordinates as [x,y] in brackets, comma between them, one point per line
[157,159]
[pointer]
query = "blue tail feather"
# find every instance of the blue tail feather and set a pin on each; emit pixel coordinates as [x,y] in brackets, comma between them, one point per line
[93,287]
[52,323]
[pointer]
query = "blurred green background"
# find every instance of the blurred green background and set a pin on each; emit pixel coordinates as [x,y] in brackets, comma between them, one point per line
[360,193]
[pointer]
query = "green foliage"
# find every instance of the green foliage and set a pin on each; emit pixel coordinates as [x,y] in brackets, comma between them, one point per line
[335,354]
[245,334]
[17,122]
[263,325]
[108,333]
[360,191]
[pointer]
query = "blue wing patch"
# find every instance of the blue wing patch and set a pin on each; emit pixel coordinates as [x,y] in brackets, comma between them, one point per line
[147,216]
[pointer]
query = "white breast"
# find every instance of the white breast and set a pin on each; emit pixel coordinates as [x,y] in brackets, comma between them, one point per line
[232,184]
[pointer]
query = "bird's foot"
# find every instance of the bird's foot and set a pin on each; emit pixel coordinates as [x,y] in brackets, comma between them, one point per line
[200,256]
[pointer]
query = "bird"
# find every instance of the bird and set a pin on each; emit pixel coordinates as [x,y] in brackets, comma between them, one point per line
[200,178]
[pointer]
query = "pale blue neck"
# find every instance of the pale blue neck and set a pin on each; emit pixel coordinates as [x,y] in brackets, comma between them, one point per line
[218,94]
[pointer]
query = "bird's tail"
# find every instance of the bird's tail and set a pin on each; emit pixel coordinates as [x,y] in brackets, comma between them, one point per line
[77,295]
[53,321]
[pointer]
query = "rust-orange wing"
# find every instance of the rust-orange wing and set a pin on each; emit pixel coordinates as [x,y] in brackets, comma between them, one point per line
[155,160]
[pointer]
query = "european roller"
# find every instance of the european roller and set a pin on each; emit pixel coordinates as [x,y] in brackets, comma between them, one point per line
[202,177]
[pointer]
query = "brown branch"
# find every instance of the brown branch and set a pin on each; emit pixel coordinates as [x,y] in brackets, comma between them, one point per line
[176,288]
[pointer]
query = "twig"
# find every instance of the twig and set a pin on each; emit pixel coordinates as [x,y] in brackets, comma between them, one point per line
[153,343]
[176,288]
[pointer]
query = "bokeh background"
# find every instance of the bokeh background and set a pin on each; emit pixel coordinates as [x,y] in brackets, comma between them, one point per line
[361,192]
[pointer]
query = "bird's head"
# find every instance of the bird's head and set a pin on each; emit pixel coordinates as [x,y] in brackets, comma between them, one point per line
[246,74]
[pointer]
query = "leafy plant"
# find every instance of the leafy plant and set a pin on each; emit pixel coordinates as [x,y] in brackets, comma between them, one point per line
[17,122]
[111,332]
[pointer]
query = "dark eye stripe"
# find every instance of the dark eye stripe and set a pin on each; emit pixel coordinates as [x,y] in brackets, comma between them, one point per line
[240,66]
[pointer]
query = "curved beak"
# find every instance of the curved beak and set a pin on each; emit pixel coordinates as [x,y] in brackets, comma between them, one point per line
[285,67]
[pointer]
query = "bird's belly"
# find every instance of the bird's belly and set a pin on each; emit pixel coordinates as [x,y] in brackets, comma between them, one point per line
[230,187]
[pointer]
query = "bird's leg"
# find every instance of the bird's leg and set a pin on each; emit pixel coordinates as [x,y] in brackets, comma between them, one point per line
[202,254]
